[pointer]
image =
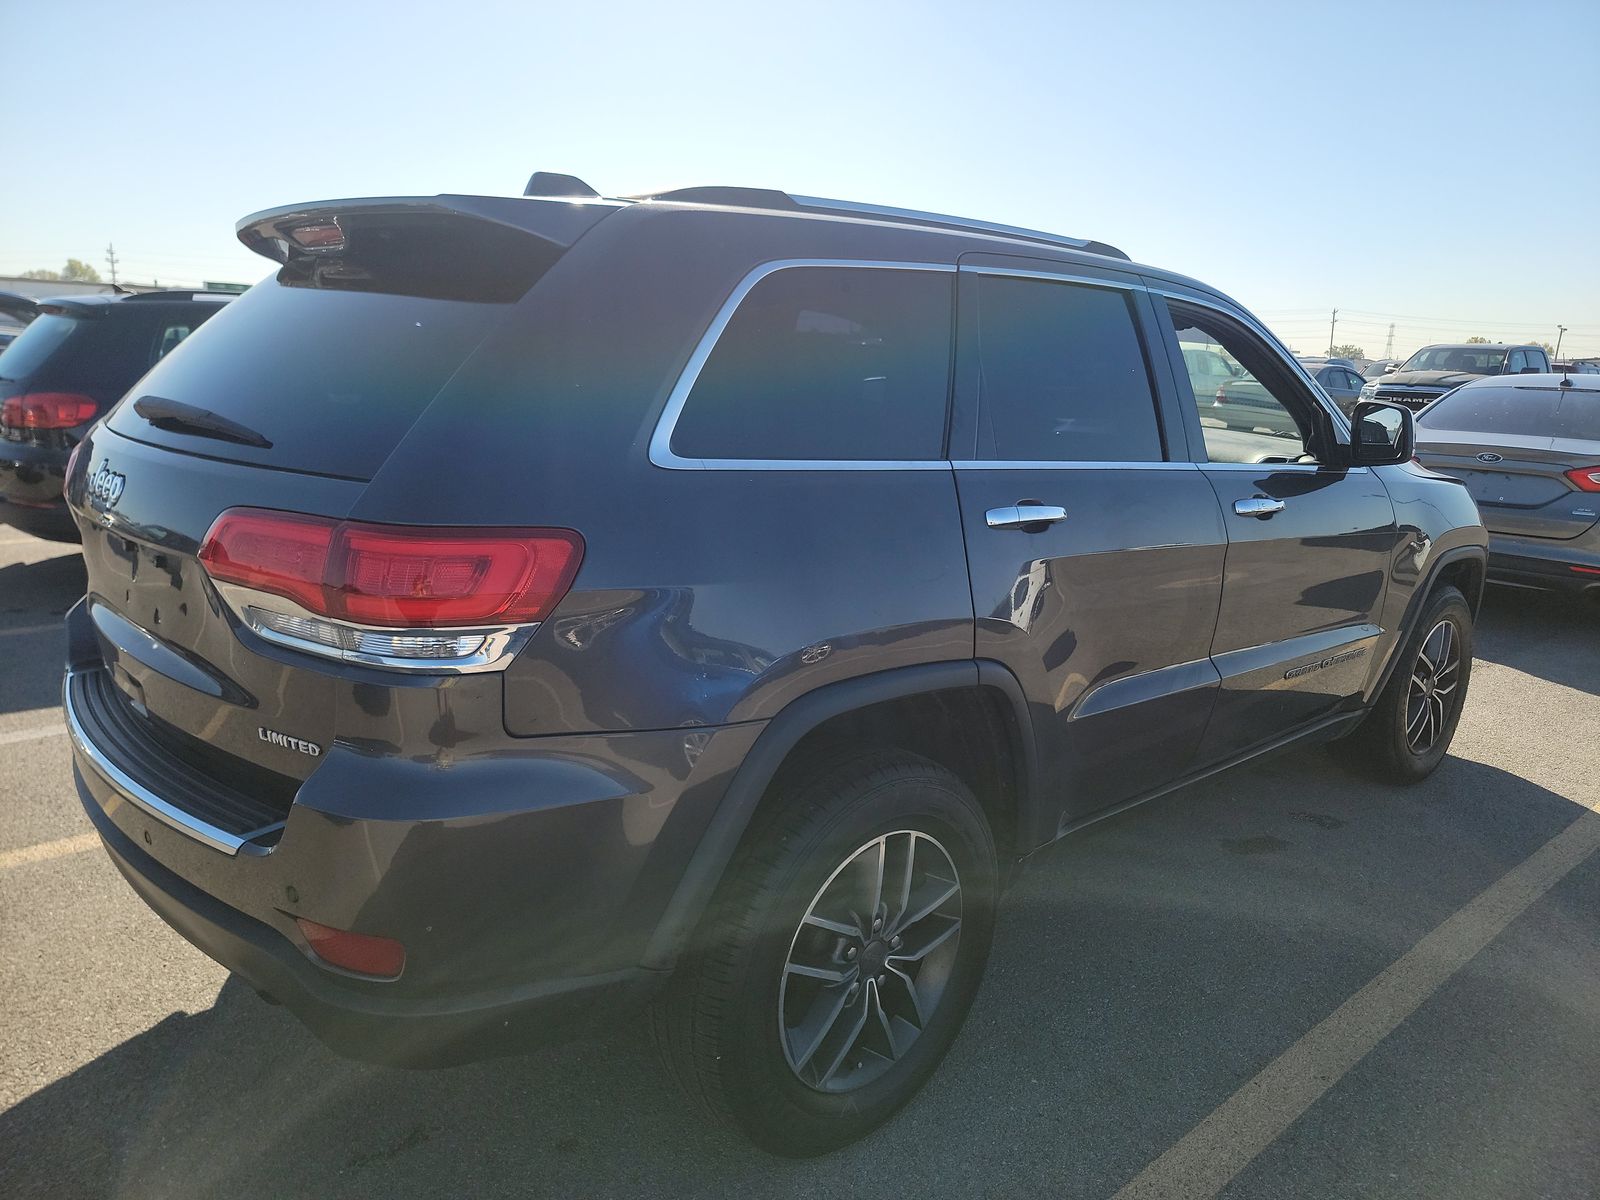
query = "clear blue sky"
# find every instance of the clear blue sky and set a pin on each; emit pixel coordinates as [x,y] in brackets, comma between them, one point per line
[1434,161]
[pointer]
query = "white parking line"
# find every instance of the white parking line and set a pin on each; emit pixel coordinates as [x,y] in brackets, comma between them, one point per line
[22,629]
[45,851]
[30,735]
[1204,1160]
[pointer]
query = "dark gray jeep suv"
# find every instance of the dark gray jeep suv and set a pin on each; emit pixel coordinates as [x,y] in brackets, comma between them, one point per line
[525,610]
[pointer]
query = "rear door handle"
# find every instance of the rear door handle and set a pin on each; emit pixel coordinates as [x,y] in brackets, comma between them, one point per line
[1260,507]
[1019,515]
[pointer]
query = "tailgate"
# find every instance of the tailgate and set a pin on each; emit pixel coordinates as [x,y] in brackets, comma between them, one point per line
[169,646]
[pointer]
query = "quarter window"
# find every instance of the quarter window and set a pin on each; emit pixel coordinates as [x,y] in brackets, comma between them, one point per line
[827,363]
[1063,375]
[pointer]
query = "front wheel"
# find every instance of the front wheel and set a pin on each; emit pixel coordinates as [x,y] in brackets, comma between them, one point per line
[1405,736]
[840,957]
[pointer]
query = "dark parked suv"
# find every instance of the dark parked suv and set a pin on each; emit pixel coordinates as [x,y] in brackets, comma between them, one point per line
[519,611]
[62,372]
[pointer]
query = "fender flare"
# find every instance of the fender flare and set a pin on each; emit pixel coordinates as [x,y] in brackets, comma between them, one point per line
[1419,597]
[799,717]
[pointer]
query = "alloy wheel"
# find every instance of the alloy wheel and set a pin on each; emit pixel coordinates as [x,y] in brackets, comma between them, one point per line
[1434,678]
[870,961]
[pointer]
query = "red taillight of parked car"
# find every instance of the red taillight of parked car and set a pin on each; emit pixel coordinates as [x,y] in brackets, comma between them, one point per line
[1585,479]
[48,410]
[363,953]
[412,577]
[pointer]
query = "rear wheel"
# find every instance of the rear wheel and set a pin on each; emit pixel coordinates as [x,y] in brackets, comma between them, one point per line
[1405,736]
[840,956]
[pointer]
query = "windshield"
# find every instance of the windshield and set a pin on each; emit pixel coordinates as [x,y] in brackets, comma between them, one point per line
[35,344]
[1519,411]
[1475,360]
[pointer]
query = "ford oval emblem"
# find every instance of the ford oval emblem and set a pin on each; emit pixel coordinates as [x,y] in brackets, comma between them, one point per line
[1491,456]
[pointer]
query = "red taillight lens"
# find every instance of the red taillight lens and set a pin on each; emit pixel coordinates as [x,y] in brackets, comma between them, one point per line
[327,236]
[281,553]
[1585,479]
[400,576]
[381,957]
[48,410]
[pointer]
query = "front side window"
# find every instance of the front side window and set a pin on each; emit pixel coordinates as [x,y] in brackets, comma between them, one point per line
[827,364]
[1063,375]
[1253,416]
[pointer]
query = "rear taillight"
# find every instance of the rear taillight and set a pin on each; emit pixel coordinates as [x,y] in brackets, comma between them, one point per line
[1585,479]
[48,410]
[357,589]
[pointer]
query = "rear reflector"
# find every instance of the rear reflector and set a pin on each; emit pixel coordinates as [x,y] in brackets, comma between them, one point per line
[407,577]
[380,957]
[1587,570]
[1585,479]
[47,410]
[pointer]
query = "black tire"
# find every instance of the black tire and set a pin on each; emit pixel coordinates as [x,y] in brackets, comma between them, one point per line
[721,1024]
[1386,745]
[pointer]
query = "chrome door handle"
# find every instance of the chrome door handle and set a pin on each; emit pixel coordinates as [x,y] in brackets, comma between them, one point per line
[1260,507]
[1018,515]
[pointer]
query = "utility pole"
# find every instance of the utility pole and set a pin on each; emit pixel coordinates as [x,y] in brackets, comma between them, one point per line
[1332,325]
[1388,350]
[111,261]
[1560,329]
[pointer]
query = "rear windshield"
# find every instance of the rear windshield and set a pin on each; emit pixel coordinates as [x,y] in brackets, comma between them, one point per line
[35,344]
[332,360]
[1522,411]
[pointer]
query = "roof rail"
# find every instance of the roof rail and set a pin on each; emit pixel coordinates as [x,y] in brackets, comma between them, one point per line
[941,220]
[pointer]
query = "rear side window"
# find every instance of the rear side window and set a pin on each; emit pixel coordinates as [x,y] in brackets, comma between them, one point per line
[1520,411]
[1064,377]
[35,344]
[827,364]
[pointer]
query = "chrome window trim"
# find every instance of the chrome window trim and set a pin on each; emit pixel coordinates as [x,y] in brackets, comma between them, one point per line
[501,643]
[1281,466]
[1088,464]
[661,452]
[1121,285]
[1340,421]
[141,796]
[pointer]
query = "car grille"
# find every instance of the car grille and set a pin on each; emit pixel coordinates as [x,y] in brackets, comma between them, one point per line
[1410,397]
[182,771]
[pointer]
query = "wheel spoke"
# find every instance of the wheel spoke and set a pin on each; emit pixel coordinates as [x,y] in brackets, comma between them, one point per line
[918,953]
[826,974]
[842,928]
[819,1025]
[909,987]
[858,1022]
[945,890]
[1414,724]
[884,1022]
[909,871]
[1438,715]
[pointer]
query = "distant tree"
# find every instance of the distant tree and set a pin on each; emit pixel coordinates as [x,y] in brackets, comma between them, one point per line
[79,270]
[1548,348]
[1475,340]
[76,270]
[1348,351]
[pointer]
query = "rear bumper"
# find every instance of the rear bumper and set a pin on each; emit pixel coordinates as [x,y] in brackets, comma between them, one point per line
[30,491]
[367,1022]
[1547,562]
[525,880]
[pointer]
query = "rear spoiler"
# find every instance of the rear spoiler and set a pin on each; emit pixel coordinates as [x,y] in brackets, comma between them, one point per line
[21,309]
[311,229]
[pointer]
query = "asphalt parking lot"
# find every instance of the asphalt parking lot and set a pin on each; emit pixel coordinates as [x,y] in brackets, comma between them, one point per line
[1285,982]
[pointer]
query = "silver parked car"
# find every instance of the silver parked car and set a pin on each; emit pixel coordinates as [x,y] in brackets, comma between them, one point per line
[1529,451]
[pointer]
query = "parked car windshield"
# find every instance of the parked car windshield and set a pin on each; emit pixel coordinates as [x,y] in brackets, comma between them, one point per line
[1520,411]
[1456,358]
[35,344]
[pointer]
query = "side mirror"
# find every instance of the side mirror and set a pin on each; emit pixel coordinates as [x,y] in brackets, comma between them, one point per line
[1531,371]
[1381,434]
[1391,368]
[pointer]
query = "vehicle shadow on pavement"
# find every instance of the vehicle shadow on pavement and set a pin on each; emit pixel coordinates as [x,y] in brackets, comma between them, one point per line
[1140,976]
[46,588]
[1548,634]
